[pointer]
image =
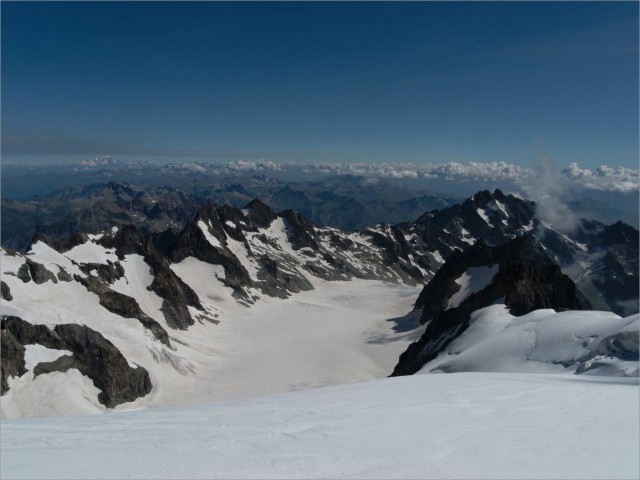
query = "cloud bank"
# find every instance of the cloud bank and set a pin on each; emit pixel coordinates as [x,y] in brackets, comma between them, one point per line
[603,178]
[606,178]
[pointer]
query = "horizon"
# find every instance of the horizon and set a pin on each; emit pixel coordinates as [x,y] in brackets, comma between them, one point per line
[425,83]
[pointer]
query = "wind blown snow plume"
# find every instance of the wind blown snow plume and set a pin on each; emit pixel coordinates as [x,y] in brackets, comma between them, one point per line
[548,190]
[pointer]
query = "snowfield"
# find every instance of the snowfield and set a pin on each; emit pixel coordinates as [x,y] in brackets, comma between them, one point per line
[337,333]
[543,341]
[461,425]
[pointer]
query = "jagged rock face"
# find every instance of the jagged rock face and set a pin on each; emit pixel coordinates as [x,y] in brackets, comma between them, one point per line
[277,283]
[108,273]
[260,214]
[300,232]
[493,217]
[61,244]
[192,242]
[92,354]
[13,363]
[31,270]
[618,280]
[123,305]
[175,293]
[126,240]
[602,260]
[517,273]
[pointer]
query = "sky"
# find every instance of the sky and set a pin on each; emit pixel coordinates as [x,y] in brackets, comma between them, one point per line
[320,82]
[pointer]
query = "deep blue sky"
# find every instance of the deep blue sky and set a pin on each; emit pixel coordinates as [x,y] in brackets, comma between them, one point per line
[408,82]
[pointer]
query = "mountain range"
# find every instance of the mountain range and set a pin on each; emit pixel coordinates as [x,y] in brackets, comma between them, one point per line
[111,306]
[345,202]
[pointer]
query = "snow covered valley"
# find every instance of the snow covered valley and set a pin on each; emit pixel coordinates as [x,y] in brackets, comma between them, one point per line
[337,333]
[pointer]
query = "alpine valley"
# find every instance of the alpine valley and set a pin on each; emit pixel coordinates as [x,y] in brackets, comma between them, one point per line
[181,302]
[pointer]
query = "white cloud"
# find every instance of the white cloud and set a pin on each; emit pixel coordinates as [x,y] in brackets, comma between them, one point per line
[605,178]
[618,179]
[254,166]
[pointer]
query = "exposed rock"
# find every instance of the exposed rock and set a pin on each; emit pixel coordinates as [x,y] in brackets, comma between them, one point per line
[5,291]
[63,244]
[493,217]
[109,272]
[12,353]
[526,280]
[300,232]
[233,216]
[260,214]
[394,246]
[166,284]
[92,354]
[63,275]
[31,270]
[126,240]
[23,273]
[123,305]
[176,295]
[39,273]
[276,283]
[191,242]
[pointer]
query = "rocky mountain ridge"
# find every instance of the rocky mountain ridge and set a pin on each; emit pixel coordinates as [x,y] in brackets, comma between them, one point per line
[518,274]
[139,284]
[343,202]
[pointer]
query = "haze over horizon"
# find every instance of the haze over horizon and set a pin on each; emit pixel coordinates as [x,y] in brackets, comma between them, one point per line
[417,82]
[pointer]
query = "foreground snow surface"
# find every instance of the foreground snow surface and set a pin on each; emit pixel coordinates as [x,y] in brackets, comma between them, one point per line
[460,425]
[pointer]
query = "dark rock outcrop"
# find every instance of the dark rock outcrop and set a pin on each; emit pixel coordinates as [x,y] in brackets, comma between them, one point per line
[277,283]
[92,354]
[5,291]
[63,275]
[300,232]
[191,242]
[63,244]
[37,272]
[493,217]
[526,280]
[23,273]
[108,273]
[260,214]
[123,305]
[176,295]
[12,362]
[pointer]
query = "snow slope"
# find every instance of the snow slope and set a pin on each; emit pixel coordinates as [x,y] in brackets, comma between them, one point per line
[463,425]
[543,341]
[324,336]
